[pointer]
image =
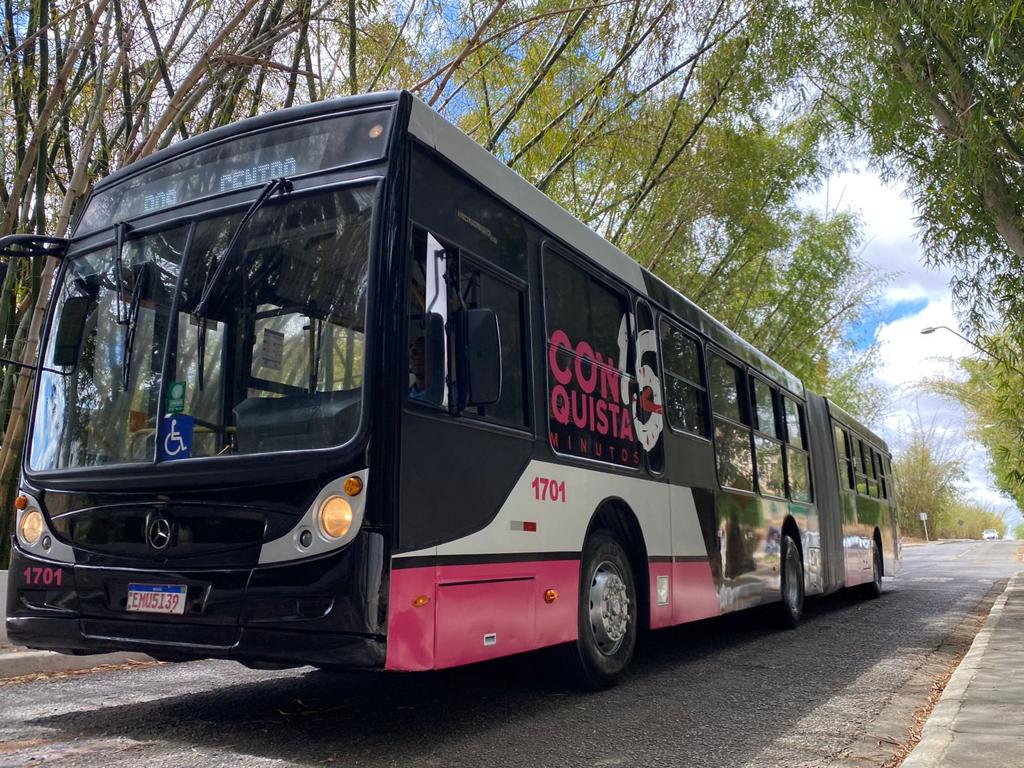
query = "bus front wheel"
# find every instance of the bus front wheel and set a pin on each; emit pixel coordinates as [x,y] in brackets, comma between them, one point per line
[607,614]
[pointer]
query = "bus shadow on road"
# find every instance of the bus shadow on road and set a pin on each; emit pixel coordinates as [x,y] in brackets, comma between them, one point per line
[719,671]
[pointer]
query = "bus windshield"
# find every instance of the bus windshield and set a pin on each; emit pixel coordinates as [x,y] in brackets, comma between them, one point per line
[282,344]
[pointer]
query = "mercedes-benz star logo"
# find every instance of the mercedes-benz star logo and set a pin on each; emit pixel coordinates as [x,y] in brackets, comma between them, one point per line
[158,532]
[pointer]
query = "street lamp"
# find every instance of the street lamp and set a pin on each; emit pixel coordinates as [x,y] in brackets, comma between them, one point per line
[976,345]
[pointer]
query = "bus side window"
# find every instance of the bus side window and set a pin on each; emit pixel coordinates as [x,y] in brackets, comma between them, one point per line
[480,288]
[587,356]
[876,458]
[684,389]
[733,447]
[846,475]
[797,459]
[428,315]
[862,467]
[649,409]
[771,478]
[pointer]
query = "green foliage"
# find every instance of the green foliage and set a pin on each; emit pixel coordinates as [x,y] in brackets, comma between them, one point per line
[682,131]
[925,472]
[992,394]
[1018,531]
[935,86]
[969,520]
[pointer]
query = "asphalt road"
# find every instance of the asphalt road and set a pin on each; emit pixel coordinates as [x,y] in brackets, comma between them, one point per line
[720,693]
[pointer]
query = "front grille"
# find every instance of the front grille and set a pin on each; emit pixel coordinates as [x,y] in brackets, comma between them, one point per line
[170,532]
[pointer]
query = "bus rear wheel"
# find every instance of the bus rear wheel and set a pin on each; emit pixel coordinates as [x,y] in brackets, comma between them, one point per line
[791,608]
[873,588]
[607,613]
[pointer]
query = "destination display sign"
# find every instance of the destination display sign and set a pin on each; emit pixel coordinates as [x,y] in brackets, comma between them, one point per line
[238,163]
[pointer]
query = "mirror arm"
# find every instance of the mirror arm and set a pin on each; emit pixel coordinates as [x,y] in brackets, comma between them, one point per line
[14,246]
[33,368]
[18,363]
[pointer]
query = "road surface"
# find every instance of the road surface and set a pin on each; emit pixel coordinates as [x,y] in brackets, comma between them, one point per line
[726,692]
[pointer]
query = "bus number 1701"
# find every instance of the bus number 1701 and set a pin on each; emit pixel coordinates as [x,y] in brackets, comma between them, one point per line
[545,489]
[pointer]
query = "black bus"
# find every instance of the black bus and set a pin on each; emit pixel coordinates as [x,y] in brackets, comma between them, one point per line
[334,386]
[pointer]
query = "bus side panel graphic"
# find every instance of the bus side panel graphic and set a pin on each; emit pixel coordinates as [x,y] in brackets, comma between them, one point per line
[488,594]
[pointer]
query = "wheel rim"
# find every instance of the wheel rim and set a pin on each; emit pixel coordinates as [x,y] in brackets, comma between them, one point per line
[609,607]
[792,587]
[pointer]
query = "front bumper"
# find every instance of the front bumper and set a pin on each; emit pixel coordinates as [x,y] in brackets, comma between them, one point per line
[324,611]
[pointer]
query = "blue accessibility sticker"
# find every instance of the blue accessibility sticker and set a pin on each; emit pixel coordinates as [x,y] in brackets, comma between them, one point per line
[176,437]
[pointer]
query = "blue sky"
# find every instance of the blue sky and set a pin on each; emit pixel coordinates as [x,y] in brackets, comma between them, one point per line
[866,330]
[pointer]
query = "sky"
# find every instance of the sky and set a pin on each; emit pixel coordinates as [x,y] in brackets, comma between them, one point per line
[917,297]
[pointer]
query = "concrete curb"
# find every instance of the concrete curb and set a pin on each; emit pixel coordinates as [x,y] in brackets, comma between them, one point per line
[938,733]
[3,608]
[18,662]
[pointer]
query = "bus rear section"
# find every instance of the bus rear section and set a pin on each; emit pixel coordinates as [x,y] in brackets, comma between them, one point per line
[641,466]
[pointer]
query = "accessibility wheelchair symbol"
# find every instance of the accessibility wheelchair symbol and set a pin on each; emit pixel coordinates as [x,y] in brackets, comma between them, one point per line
[176,437]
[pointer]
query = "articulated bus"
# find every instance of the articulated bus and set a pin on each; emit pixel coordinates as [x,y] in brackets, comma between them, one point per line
[333,386]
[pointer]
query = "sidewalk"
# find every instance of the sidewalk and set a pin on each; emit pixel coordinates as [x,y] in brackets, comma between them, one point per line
[979,721]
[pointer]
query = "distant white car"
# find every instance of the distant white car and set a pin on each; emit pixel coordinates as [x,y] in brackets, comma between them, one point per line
[990,534]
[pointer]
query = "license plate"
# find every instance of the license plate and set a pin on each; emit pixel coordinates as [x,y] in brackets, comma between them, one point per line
[156,598]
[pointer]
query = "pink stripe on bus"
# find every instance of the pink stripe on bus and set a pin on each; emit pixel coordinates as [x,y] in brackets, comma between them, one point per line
[694,595]
[485,610]
[479,611]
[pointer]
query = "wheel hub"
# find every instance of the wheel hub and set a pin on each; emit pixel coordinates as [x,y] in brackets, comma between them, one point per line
[609,607]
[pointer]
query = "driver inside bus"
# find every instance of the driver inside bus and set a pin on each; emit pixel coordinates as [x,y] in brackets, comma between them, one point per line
[418,369]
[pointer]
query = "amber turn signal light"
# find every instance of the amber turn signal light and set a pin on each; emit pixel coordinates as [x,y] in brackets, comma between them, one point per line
[420,601]
[353,486]
[550,596]
[21,502]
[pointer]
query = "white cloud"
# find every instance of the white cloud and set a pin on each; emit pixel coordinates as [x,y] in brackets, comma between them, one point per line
[908,356]
[900,293]
[891,243]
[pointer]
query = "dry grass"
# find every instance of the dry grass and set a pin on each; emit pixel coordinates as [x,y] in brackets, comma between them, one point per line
[921,714]
[37,676]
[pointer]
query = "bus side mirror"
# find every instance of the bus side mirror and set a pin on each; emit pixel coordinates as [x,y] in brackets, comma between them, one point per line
[68,339]
[481,357]
[434,354]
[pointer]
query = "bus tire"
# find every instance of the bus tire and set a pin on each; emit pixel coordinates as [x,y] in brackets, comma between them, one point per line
[791,608]
[873,589]
[607,613]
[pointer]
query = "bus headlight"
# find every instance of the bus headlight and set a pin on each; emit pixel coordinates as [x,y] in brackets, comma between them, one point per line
[335,517]
[30,527]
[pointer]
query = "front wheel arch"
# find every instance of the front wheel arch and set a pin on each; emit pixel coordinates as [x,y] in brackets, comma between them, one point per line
[617,518]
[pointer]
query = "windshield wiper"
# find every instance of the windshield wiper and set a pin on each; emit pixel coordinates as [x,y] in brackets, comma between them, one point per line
[120,230]
[282,185]
[133,316]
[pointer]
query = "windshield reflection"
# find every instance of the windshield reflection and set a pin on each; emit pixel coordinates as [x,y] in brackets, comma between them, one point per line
[85,415]
[284,340]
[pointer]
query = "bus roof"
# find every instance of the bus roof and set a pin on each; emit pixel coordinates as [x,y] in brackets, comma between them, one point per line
[847,420]
[436,132]
[316,109]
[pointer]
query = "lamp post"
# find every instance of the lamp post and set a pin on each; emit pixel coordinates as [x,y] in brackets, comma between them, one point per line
[976,345]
